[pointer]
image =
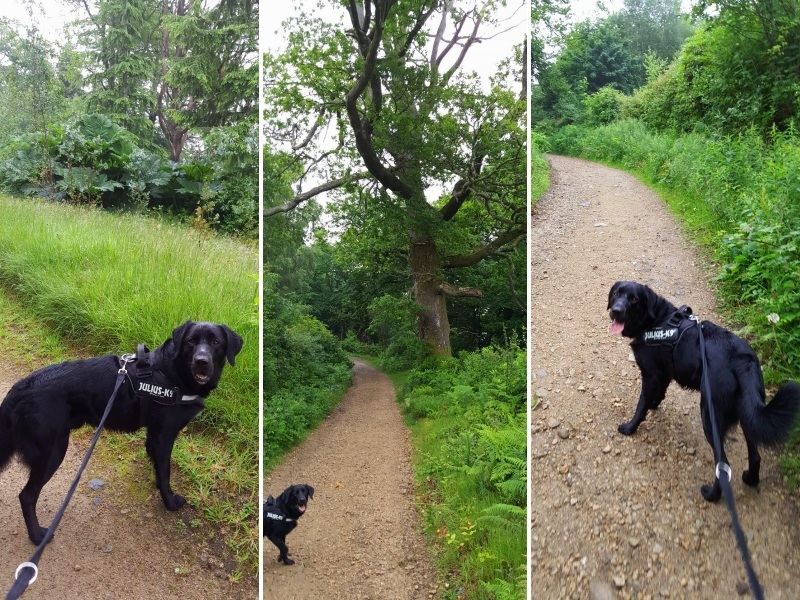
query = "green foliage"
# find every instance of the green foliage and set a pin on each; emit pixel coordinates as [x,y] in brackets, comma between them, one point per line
[603,107]
[616,52]
[393,326]
[93,161]
[470,440]
[305,373]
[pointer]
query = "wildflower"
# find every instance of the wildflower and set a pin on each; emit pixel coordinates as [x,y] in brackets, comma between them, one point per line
[773,318]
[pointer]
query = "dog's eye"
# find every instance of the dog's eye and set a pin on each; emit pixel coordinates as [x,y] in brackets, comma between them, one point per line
[214,342]
[632,298]
[192,341]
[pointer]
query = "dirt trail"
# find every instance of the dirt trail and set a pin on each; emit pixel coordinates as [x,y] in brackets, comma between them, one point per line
[623,516]
[359,538]
[106,547]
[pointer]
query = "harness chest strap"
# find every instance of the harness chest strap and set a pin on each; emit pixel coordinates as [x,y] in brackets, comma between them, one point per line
[151,385]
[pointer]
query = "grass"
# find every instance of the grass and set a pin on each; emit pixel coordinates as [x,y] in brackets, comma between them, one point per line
[85,282]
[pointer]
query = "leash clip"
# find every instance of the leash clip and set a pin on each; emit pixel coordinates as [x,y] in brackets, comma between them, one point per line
[125,358]
[32,566]
[724,467]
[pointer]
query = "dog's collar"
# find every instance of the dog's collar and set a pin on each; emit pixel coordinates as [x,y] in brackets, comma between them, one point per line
[270,514]
[671,332]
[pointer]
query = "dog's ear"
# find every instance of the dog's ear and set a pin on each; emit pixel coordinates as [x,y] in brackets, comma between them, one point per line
[611,293]
[650,299]
[309,491]
[178,333]
[234,343]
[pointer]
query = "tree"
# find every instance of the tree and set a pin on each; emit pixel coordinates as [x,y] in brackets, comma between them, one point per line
[175,64]
[381,111]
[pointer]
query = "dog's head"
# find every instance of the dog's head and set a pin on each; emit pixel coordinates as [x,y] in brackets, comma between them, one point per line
[633,307]
[294,499]
[201,349]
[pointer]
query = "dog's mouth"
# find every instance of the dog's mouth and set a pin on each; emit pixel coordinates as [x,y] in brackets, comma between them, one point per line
[301,508]
[201,374]
[616,327]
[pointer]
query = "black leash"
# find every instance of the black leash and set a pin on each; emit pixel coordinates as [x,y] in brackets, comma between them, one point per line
[27,572]
[725,469]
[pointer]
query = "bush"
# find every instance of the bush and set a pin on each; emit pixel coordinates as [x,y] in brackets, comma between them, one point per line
[470,439]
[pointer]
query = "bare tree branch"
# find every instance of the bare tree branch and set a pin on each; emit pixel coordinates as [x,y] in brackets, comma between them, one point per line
[492,248]
[305,196]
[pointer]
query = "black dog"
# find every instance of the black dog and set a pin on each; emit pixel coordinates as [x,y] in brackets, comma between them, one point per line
[40,410]
[666,346]
[281,514]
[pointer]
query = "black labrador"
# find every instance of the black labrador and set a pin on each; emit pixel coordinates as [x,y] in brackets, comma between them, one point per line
[40,410]
[667,348]
[281,514]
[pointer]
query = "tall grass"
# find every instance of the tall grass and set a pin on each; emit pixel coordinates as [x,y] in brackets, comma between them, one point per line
[104,283]
[468,422]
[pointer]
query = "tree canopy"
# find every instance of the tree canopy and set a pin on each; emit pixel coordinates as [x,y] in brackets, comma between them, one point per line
[422,161]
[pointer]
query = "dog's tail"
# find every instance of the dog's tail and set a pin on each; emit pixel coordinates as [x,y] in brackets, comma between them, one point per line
[6,439]
[771,423]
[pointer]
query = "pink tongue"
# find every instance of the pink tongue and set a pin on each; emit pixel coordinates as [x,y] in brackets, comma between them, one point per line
[617,327]
[302,509]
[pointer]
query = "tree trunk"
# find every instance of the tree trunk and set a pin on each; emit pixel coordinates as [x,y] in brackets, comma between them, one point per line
[432,322]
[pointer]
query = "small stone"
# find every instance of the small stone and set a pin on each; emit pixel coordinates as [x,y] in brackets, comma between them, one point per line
[691,451]
[542,393]
[607,449]
[77,568]
[619,581]
[97,501]
[599,590]
[563,433]
[563,470]
[657,549]
[553,423]
[634,542]
[96,484]
[742,588]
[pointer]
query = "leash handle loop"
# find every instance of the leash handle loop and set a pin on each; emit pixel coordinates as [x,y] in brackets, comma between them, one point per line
[28,565]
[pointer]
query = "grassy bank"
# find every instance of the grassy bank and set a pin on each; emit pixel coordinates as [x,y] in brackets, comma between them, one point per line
[739,196]
[100,283]
[469,437]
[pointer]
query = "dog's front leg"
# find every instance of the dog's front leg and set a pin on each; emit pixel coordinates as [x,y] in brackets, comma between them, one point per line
[159,447]
[280,542]
[653,391]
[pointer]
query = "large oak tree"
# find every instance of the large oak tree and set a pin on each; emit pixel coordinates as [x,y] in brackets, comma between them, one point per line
[383,107]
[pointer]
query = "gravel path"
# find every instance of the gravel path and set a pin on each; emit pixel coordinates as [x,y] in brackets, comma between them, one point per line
[615,516]
[107,545]
[359,537]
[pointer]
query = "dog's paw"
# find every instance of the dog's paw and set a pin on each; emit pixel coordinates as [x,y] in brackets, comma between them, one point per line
[711,492]
[174,502]
[37,535]
[750,478]
[628,428]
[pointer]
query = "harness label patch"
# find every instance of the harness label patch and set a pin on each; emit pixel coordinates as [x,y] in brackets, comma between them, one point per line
[156,390]
[275,516]
[660,335]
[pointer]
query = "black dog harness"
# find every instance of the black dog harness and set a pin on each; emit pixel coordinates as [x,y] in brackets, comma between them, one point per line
[151,385]
[672,331]
[273,512]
